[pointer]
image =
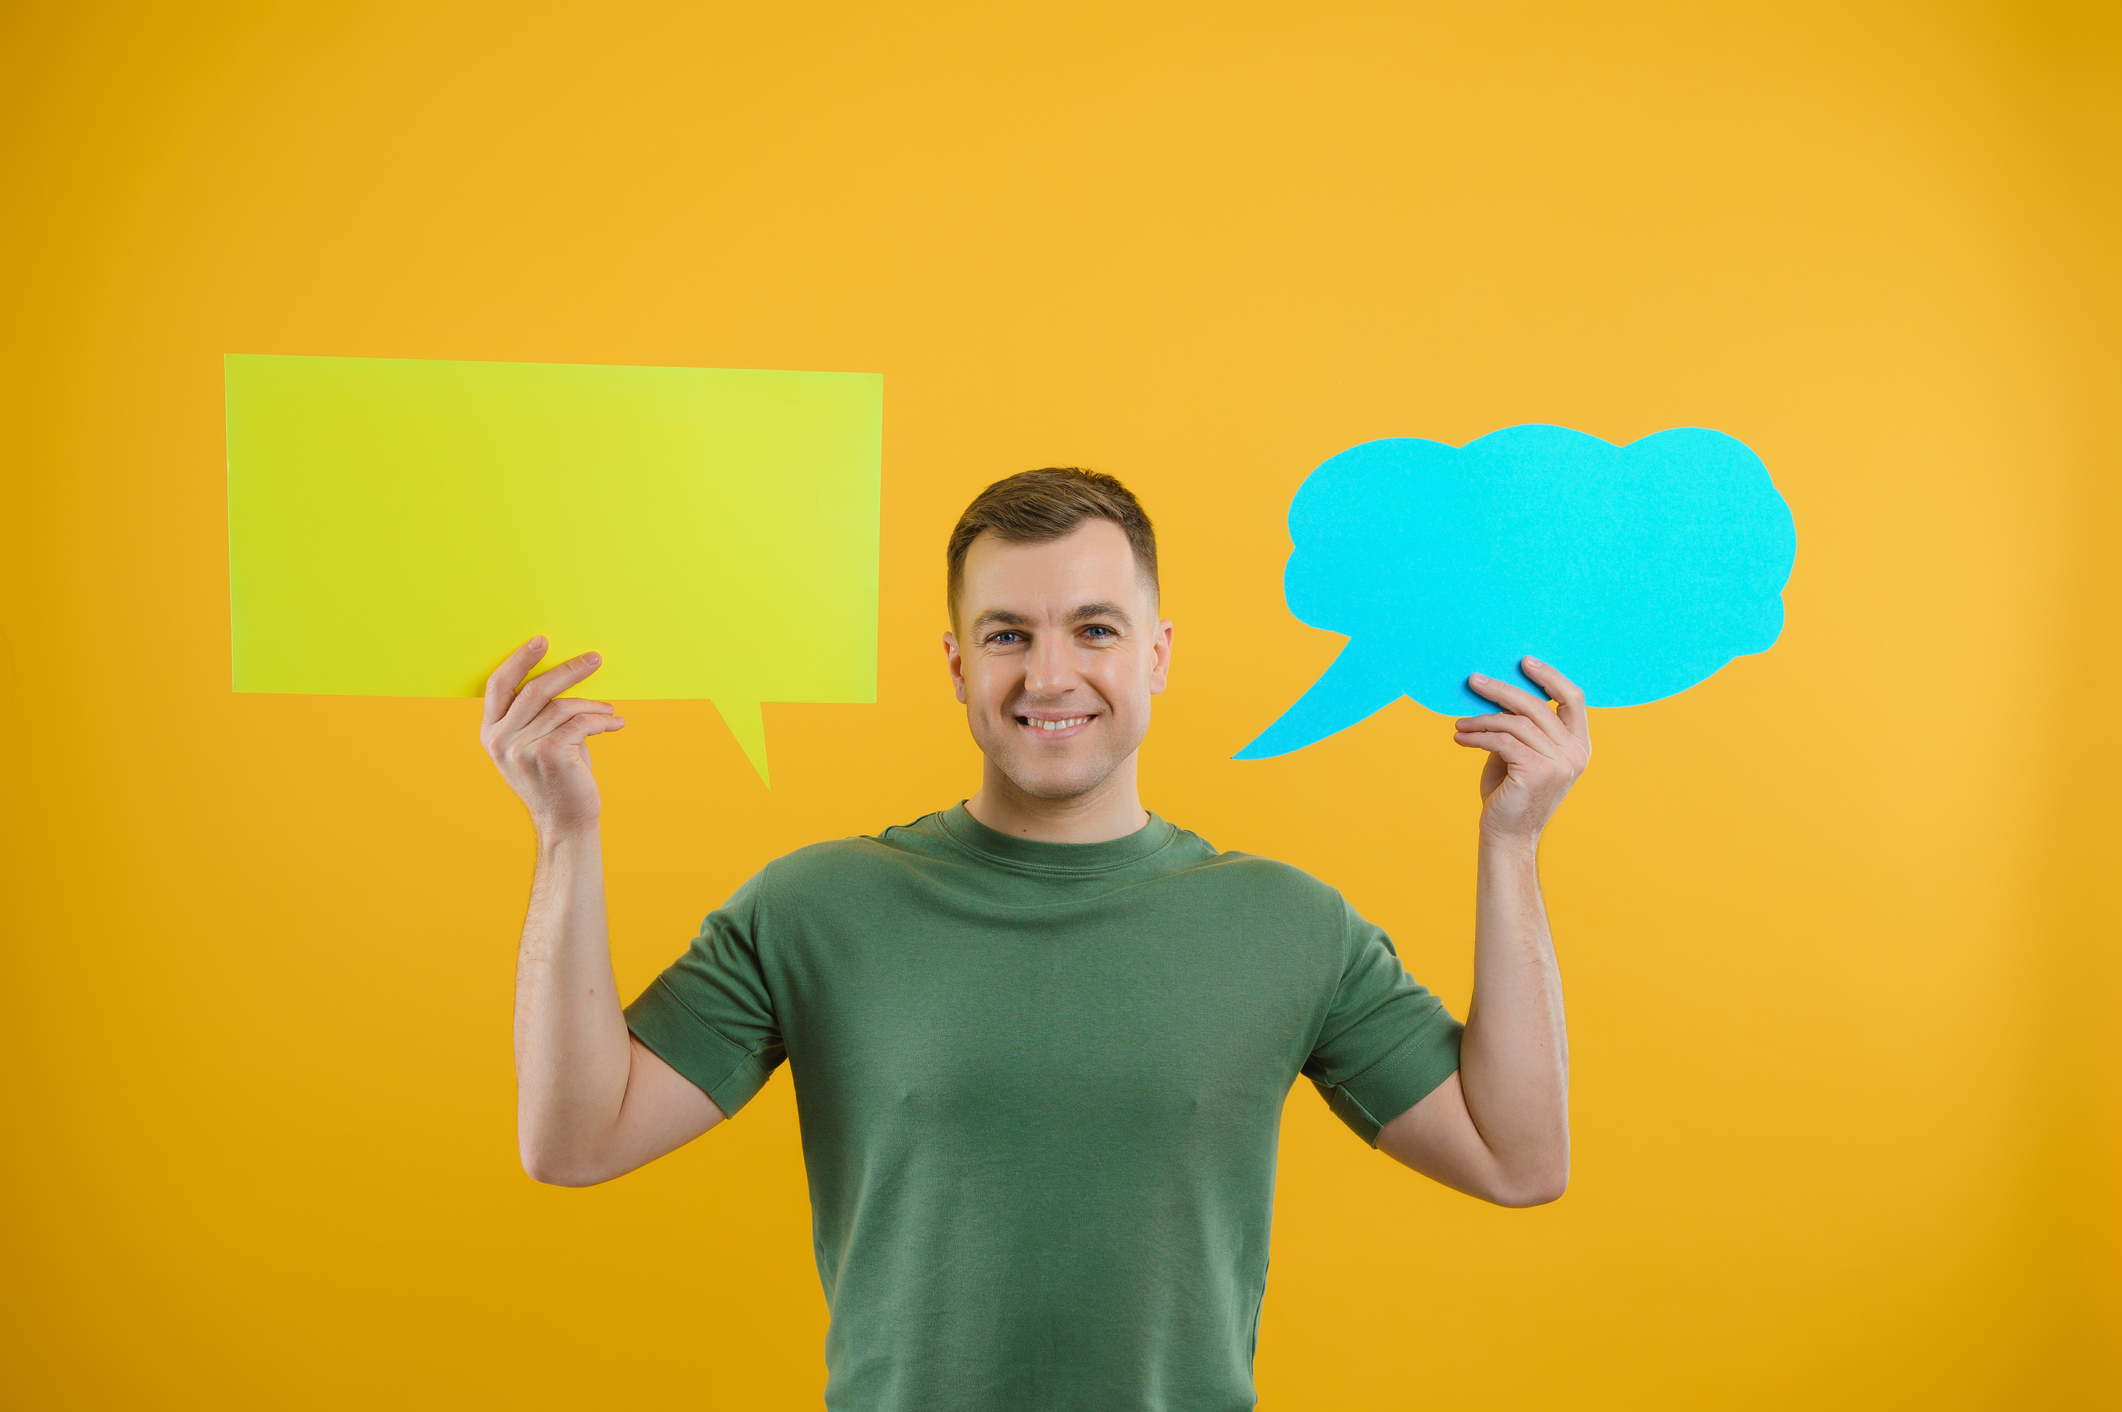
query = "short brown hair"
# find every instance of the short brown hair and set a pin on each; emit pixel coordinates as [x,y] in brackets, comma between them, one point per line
[1035,507]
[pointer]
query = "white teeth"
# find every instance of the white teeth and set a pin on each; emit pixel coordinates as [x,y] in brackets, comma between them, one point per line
[1060,725]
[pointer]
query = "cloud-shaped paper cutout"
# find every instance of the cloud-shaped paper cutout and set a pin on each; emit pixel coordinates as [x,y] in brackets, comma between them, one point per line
[1637,570]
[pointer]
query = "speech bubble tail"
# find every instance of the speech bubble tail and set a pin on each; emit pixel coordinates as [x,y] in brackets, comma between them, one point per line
[748,724]
[1357,686]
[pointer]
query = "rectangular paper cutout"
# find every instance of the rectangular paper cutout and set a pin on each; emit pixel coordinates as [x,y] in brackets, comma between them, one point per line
[397,526]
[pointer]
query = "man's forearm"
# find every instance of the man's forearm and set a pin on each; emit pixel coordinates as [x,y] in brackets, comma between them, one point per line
[572,1049]
[1514,1060]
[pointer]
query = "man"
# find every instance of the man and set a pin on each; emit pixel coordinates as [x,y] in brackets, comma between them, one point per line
[1041,1041]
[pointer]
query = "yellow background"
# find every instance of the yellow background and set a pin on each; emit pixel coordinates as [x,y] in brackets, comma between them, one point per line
[1836,926]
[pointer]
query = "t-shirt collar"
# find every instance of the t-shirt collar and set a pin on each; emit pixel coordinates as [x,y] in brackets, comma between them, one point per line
[1041,856]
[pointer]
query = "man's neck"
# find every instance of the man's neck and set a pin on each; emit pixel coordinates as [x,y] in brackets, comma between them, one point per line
[1112,809]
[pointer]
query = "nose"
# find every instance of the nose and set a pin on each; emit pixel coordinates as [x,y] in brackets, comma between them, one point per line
[1050,667]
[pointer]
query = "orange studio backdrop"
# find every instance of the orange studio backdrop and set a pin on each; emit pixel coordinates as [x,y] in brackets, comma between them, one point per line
[1837,926]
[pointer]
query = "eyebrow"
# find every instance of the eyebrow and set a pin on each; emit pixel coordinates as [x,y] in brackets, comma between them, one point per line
[1100,610]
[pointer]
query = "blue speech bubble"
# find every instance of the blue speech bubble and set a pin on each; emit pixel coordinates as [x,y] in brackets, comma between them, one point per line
[1637,570]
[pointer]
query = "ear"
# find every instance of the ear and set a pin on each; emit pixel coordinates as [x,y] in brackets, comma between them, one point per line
[956,663]
[1160,665]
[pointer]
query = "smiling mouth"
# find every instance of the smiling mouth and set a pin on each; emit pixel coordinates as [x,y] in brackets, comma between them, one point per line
[1065,723]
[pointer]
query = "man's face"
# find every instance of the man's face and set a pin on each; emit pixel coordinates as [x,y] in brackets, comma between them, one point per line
[1058,653]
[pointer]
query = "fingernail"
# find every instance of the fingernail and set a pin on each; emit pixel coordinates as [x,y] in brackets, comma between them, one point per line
[1536,661]
[538,641]
[1477,677]
[592,658]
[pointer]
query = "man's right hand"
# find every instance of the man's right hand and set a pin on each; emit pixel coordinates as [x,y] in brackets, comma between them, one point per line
[591,1100]
[539,738]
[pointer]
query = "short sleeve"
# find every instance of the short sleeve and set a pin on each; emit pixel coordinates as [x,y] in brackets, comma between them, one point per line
[1387,1042]
[710,1014]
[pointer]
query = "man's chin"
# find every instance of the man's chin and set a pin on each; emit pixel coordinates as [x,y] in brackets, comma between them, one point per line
[1058,785]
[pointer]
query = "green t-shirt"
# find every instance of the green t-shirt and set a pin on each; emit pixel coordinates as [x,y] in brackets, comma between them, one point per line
[1040,1086]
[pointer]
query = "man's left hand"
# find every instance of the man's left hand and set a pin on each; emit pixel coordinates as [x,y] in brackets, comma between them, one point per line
[1535,752]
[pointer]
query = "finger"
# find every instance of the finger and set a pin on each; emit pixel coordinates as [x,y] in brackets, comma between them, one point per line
[1523,702]
[546,685]
[501,686]
[1569,698]
[1531,732]
[1512,749]
[558,713]
[584,724]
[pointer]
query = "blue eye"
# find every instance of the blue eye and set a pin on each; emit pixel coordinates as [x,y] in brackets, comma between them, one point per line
[1003,637]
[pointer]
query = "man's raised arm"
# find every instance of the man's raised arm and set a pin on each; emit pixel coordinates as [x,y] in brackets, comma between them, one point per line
[1499,1128]
[591,1101]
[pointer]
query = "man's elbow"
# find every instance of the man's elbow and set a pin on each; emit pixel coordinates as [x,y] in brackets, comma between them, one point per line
[1531,1194]
[549,1168]
[545,1174]
[1536,1187]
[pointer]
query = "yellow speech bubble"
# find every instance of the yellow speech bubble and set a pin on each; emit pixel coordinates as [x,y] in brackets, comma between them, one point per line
[397,525]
